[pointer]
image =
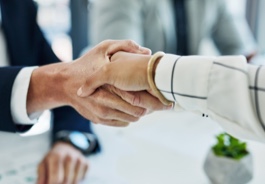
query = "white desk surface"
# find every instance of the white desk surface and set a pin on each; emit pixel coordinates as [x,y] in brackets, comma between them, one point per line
[163,147]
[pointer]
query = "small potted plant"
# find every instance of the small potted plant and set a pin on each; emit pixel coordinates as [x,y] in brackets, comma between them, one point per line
[229,161]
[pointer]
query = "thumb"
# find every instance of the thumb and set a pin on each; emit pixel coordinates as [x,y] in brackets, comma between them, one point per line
[96,80]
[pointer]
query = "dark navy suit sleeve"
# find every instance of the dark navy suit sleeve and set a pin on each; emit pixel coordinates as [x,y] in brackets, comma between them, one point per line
[65,118]
[7,78]
[28,47]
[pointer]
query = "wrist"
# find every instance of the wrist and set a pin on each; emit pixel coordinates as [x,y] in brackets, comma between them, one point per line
[86,143]
[155,66]
[46,89]
[152,65]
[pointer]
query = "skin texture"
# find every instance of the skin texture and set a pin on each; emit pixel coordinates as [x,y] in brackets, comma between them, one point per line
[132,78]
[63,164]
[57,84]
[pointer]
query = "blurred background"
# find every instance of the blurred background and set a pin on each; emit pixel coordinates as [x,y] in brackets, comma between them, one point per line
[162,148]
[66,24]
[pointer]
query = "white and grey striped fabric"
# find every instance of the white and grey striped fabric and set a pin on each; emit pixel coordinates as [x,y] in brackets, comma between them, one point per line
[226,89]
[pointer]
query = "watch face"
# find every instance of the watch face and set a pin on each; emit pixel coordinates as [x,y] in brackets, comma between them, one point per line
[79,140]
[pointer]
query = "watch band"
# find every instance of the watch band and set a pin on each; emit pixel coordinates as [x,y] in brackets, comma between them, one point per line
[64,136]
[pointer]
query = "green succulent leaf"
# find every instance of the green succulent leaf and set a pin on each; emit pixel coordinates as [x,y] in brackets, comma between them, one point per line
[229,146]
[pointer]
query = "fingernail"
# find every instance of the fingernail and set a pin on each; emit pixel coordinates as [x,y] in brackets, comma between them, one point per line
[145,50]
[145,112]
[169,107]
[80,91]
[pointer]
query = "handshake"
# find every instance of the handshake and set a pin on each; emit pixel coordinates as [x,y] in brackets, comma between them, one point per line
[111,84]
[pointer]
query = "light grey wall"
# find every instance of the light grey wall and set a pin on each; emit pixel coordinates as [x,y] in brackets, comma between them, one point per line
[261,27]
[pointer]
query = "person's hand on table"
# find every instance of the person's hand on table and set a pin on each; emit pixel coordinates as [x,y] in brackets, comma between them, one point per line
[57,85]
[63,164]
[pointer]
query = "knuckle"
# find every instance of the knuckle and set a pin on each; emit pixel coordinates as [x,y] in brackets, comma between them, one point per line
[106,43]
[135,119]
[69,158]
[104,68]
[132,43]
[136,100]
[66,180]
[96,120]
[104,112]
[141,112]
[53,157]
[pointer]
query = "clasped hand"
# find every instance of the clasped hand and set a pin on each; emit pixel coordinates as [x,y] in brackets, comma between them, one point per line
[113,85]
[113,94]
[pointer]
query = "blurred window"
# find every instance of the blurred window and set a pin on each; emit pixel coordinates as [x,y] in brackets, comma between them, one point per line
[261,26]
[54,19]
[237,7]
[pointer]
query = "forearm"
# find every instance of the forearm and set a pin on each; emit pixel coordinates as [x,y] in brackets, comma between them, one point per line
[225,89]
[46,89]
[222,87]
[57,85]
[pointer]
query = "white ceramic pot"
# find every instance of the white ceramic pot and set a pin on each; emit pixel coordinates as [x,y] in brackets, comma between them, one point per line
[222,170]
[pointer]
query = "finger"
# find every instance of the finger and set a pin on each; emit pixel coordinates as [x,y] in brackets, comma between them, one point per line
[143,99]
[113,123]
[95,80]
[77,171]
[145,50]
[114,101]
[127,46]
[85,170]
[69,168]
[42,173]
[55,170]
[80,169]
[112,114]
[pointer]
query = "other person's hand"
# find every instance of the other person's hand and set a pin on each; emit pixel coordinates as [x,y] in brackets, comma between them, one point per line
[56,85]
[63,164]
[127,72]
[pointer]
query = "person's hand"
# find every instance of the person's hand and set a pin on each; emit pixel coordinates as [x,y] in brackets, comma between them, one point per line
[56,85]
[106,106]
[64,164]
[126,71]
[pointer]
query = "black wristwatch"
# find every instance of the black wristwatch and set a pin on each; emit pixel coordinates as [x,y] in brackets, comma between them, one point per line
[84,142]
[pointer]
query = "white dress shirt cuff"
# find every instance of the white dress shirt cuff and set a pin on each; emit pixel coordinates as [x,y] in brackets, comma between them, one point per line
[19,98]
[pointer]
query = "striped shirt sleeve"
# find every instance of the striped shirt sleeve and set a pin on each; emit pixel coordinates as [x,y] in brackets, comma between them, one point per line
[226,89]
